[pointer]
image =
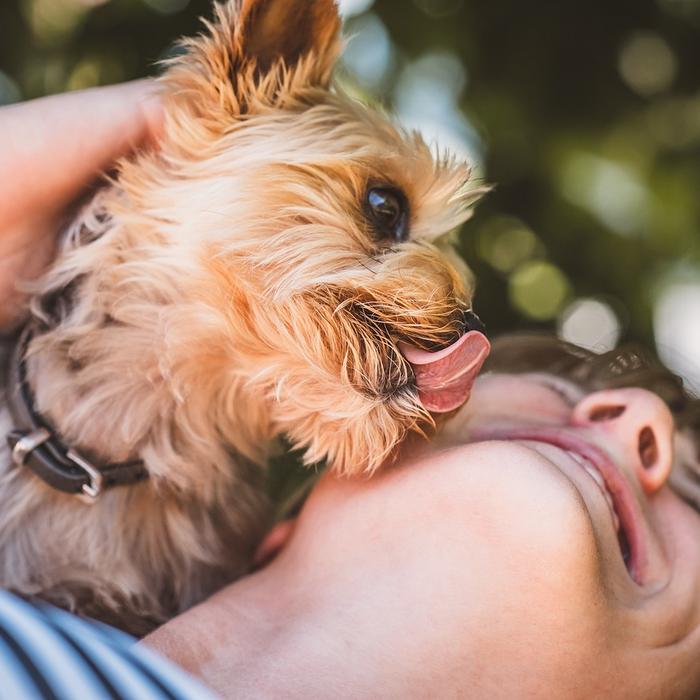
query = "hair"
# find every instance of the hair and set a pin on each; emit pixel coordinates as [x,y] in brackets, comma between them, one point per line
[626,366]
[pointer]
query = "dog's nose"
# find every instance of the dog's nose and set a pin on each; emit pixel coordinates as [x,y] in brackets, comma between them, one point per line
[472,322]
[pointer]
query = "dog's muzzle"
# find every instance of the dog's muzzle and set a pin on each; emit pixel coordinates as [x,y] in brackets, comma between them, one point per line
[472,322]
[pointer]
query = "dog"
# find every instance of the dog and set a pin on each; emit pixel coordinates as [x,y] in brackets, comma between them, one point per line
[279,266]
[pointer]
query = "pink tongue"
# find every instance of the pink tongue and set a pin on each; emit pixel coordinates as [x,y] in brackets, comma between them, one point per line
[445,378]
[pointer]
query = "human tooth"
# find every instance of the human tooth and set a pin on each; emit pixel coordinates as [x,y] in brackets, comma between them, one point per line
[576,457]
[616,520]
[598,478]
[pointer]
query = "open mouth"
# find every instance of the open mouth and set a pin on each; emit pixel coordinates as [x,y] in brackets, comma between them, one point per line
[593,471]
[617,494]
[445,378]
[625,513]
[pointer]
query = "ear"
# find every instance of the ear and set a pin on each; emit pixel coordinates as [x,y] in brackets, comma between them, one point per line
[268,31]
[255,52]
[275,541]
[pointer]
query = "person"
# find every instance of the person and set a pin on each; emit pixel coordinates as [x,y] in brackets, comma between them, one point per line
[535,549]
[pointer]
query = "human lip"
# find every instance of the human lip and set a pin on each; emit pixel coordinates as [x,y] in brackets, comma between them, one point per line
[624,502]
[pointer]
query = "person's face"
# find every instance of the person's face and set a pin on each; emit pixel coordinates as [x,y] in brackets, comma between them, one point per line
[534,551]
[615,451]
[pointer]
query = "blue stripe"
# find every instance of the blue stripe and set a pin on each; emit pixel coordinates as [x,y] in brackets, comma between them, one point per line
[85,655]
[64,671]
[16,681]
[173,680]
[122,674]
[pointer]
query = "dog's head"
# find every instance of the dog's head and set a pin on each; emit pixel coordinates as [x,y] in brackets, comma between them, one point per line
[322,231]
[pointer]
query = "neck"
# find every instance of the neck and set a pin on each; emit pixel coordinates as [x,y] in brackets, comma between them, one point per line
[277,637]
[297,629]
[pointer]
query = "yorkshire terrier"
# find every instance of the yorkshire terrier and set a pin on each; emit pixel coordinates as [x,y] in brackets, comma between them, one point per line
[278,266]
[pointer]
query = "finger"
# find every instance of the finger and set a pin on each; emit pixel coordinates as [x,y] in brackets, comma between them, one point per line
[51,148]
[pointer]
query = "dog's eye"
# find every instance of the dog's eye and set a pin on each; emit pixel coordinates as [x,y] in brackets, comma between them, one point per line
[388,210]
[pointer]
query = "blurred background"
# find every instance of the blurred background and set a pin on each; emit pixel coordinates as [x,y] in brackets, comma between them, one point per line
[584,114]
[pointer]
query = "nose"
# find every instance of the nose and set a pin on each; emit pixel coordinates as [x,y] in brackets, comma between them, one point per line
[640,423]
[472,322]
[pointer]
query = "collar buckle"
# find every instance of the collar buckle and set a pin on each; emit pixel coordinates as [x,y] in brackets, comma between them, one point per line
[27,443]
[35,446]
[91,491]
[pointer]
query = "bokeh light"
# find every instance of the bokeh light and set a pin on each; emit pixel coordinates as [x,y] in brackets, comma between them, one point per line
[647,64]
[369,55]
[590,323]
[53,22]
[539,289]
[677,325]
[426,98]
[506,242]
[350,8]
[611,191]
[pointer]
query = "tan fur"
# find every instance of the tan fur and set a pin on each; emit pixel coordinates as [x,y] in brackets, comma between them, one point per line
[220,293]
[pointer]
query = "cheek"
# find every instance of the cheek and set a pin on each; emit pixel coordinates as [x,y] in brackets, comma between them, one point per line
[519,573]
[679,527]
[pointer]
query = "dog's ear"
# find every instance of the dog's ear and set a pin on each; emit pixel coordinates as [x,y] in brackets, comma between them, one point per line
[268,31]
[255,53]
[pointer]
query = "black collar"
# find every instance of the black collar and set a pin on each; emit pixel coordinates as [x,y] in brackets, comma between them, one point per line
[36,446]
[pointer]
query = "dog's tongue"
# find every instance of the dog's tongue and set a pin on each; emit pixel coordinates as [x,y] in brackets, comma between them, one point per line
[445,378]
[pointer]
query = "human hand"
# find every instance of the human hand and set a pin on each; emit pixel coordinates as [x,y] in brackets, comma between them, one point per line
[50,150]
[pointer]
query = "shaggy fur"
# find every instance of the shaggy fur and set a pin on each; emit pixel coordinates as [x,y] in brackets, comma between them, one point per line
[220,292]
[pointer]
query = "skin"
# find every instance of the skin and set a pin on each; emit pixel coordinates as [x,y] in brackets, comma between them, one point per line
[480,568]
[51,150]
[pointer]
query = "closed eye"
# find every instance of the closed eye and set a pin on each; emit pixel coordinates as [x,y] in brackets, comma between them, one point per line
[567,391]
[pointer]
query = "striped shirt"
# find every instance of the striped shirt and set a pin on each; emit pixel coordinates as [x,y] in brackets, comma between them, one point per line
[49,653]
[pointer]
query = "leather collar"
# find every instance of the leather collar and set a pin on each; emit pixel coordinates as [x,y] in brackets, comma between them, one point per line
[36,445]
